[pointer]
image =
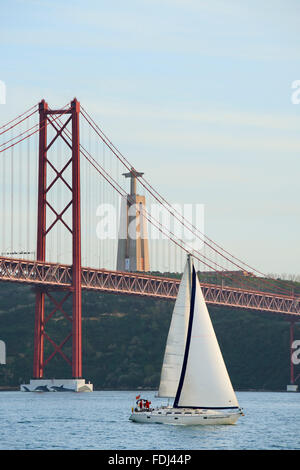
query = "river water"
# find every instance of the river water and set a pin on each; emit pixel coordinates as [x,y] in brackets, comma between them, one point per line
[99,420]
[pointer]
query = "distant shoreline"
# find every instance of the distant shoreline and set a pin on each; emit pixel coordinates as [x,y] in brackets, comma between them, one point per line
[136,390]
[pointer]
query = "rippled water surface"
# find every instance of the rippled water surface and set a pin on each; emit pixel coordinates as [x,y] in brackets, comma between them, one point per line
[99,420]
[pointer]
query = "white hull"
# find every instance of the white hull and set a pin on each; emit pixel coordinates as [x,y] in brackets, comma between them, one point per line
[186,416]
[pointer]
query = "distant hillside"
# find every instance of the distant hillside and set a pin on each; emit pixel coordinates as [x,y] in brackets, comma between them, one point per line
[124,339]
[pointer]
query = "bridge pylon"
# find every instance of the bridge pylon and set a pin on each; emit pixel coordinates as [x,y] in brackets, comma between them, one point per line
[39,382]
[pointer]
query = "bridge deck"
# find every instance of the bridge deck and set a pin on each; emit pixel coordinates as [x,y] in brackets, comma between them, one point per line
[56,275]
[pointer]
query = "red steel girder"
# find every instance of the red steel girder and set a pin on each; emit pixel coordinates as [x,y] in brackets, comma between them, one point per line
[140,284]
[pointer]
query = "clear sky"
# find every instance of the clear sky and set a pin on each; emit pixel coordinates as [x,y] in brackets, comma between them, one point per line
[197,94]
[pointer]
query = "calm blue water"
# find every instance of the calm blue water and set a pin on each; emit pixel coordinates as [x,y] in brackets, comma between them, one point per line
[99,420]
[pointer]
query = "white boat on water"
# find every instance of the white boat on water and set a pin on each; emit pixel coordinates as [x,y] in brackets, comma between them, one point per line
[193,371]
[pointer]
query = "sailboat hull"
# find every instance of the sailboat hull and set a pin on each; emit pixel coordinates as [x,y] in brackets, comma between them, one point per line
[187,417]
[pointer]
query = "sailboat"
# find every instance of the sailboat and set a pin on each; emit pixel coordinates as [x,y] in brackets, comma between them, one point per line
[193,372]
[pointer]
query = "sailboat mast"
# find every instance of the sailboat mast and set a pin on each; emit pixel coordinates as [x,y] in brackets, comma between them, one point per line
[190,264]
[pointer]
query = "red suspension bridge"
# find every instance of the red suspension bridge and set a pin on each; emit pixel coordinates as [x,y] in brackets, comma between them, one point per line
[64,167]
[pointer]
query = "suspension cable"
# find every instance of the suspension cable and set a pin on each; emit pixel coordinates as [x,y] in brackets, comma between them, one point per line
[182,220]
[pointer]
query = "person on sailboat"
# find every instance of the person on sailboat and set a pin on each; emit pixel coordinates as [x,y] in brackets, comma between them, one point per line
[140,404]
[148,407]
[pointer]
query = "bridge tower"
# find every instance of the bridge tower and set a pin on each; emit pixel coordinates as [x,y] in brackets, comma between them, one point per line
[133,250]
[76,383]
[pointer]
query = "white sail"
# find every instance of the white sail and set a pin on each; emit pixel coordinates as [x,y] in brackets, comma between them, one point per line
[175,346]
[204,381]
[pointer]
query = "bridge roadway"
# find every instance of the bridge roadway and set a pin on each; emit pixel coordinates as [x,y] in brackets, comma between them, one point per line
[50,275]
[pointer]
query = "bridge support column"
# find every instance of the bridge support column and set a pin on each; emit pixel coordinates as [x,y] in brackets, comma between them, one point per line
[59,303]
[38,358]
[77,347]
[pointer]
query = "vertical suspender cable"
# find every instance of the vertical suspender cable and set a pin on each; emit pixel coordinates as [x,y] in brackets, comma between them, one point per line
[89,209]
[12,198]
[28,194]
[20,231]
[4,211]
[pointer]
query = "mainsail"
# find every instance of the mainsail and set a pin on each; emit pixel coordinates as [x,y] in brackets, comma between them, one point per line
[204,381]
[175,346]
